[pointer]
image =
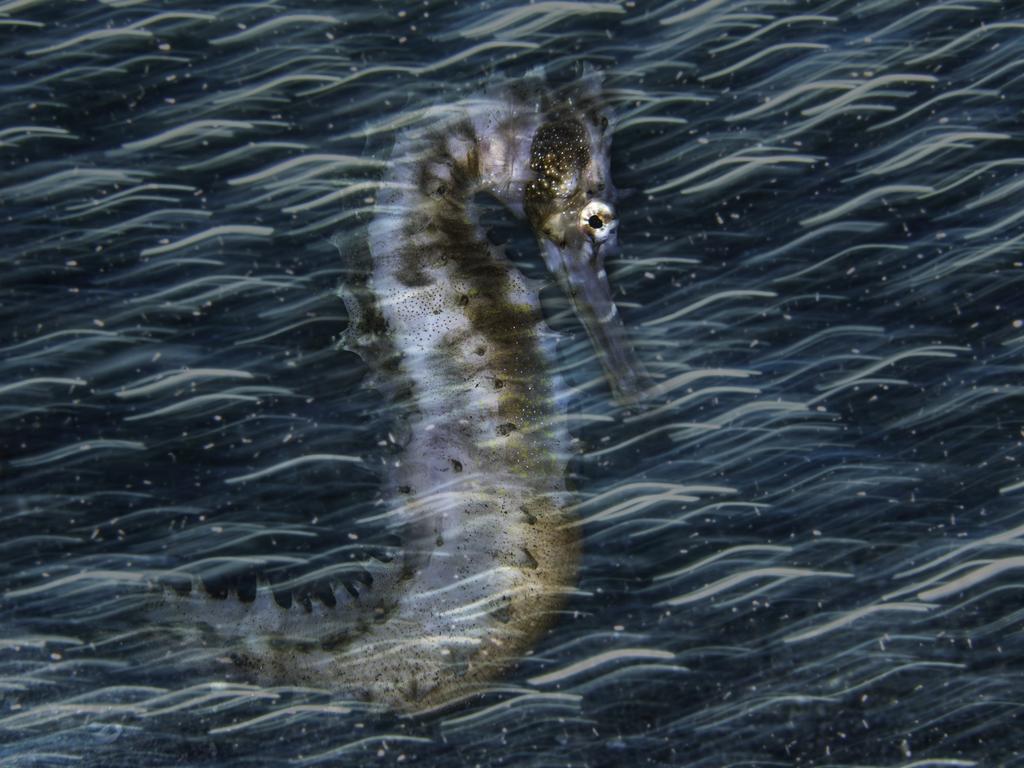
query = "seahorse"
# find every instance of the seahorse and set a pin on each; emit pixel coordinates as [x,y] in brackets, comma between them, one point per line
[453,329]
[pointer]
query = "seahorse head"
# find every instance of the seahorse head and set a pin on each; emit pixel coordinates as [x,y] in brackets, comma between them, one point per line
[570,203]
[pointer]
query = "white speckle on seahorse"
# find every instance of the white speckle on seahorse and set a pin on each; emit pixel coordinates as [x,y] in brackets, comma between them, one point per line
[454,333]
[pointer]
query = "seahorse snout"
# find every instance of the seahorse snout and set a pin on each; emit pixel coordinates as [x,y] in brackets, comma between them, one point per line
[579,268]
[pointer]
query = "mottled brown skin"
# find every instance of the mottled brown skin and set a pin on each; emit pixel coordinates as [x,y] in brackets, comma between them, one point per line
[440,272]
[511,352]
[479,287]
[556,564]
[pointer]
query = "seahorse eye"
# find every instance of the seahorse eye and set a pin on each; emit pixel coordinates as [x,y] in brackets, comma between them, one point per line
[597,220]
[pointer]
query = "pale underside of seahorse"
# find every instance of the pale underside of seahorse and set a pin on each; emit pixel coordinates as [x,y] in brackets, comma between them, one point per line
[454,332]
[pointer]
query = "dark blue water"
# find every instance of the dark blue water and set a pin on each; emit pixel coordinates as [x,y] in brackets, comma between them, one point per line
[806,550]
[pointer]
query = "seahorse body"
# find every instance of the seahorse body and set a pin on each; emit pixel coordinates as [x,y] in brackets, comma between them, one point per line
[489,549]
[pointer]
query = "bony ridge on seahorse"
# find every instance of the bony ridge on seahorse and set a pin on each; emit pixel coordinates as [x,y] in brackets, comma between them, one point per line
[489,547]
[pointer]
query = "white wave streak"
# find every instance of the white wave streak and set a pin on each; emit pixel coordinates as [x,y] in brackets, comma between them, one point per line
[45,714]
[13,6]
[685,379]
[737,550]
[983,573]
[331,197]
[675,425]
[1004,223]
[41,380]
[78,449]
[676,494]
[728,507]
[277,22]
[95,36]
[924,107]
[875,381]
[160,219]
[826,336]
[1002,191]
[966,39]
[965,402]
[856,249]
[223,285]
[692,13]
[312,458]
[600,660]
[105,577]
[851,616]
[293,715]
[559,699]
[377,743]
[198,696]
[37,641]
[224,230]
[720,296]
[779,574]
[748,168]
[243,153]
[939,144]
[975,256]
[754,58]
[338,320]
[783,702]
[630,488]
[66,182]
[778,407]
[447,498]
[237,533]
[139,193]
[194,403]
[787,22]
[632,122]
[135,30]
[11,137]
[942,351]
[333,82]
[961,176]
[865,199]
[535,17]
[199,130]
[324,161]
[749,159]
[772,103]
[151,384]
[839,228]
[323,82]
[1011,488]
[700,394]
[405,119]
[864,88]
